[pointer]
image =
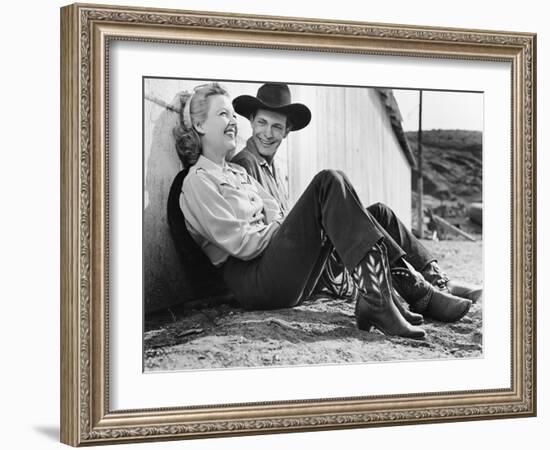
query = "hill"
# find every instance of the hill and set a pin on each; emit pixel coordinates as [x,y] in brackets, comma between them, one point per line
[452,173]
[452,163]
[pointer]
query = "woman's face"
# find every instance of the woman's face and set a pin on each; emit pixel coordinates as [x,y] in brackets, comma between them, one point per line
[219,129]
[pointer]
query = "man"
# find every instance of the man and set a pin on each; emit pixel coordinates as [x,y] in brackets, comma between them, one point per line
[272,117]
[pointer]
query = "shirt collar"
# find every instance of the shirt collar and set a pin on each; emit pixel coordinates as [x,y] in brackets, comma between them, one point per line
[204,163]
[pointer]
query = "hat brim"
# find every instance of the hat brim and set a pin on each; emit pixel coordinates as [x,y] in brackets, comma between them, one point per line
[298,114]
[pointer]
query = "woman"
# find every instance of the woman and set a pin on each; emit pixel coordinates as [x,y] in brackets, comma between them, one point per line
[268,261]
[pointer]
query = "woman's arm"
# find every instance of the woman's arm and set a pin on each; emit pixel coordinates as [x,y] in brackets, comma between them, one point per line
[212,216]
[272,209]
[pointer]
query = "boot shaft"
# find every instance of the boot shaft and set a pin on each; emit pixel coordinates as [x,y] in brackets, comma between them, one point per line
[372,277]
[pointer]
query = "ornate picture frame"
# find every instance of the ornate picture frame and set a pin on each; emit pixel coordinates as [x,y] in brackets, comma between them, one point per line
[87,31]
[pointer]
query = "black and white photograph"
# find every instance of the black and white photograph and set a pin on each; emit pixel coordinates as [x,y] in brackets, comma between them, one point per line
[295,224]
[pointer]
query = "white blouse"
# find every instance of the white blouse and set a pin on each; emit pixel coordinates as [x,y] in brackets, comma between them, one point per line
[228,212]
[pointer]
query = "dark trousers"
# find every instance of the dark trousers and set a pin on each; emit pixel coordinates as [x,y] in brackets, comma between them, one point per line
[328,216]
[399,242]
[398,238]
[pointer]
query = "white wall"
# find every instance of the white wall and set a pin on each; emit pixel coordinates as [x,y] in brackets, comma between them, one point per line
[350,130]
[29,177]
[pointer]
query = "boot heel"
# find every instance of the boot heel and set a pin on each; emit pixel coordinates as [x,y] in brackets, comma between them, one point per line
[364,324]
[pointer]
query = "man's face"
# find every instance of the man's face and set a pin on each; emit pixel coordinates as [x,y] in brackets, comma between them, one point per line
[268,131]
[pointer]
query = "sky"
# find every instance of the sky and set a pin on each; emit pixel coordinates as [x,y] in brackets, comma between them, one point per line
[441,109]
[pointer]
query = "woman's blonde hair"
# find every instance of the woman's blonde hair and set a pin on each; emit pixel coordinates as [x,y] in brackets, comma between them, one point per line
[188,142]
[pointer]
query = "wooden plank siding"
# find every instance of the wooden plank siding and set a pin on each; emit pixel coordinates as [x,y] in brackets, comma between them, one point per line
[350,130]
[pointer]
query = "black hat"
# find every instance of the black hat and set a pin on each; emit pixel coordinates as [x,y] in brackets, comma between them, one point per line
[274,97]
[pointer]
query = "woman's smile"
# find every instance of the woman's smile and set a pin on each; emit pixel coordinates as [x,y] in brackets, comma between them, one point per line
[231,131]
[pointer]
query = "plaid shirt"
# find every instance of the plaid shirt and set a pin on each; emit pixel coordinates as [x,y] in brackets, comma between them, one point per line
[266,174]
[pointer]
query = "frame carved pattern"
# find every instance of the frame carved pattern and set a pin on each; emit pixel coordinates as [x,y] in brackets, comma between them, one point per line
[87,15]
[296,26]
[85,225]
[309,423]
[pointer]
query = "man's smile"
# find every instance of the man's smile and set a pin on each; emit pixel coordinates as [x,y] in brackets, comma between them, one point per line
[267,143]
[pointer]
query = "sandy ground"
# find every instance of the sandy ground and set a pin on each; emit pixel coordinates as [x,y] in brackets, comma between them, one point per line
[321,331]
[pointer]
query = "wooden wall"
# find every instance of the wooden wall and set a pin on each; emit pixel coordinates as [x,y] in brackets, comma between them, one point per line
[350,130]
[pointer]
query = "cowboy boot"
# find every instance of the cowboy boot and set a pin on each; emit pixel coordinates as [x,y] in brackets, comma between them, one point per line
[427,299]
[411,317]
[434,275]
[375,306]
[336,282]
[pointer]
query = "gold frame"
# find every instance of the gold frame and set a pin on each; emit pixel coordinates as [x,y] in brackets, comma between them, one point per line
[86,31]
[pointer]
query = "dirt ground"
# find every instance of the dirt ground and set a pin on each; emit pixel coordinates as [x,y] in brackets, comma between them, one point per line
[321,331]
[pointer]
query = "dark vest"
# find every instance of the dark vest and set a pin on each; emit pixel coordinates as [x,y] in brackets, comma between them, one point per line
[205,280]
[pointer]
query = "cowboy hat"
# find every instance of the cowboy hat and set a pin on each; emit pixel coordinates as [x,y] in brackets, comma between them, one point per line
[274,97]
